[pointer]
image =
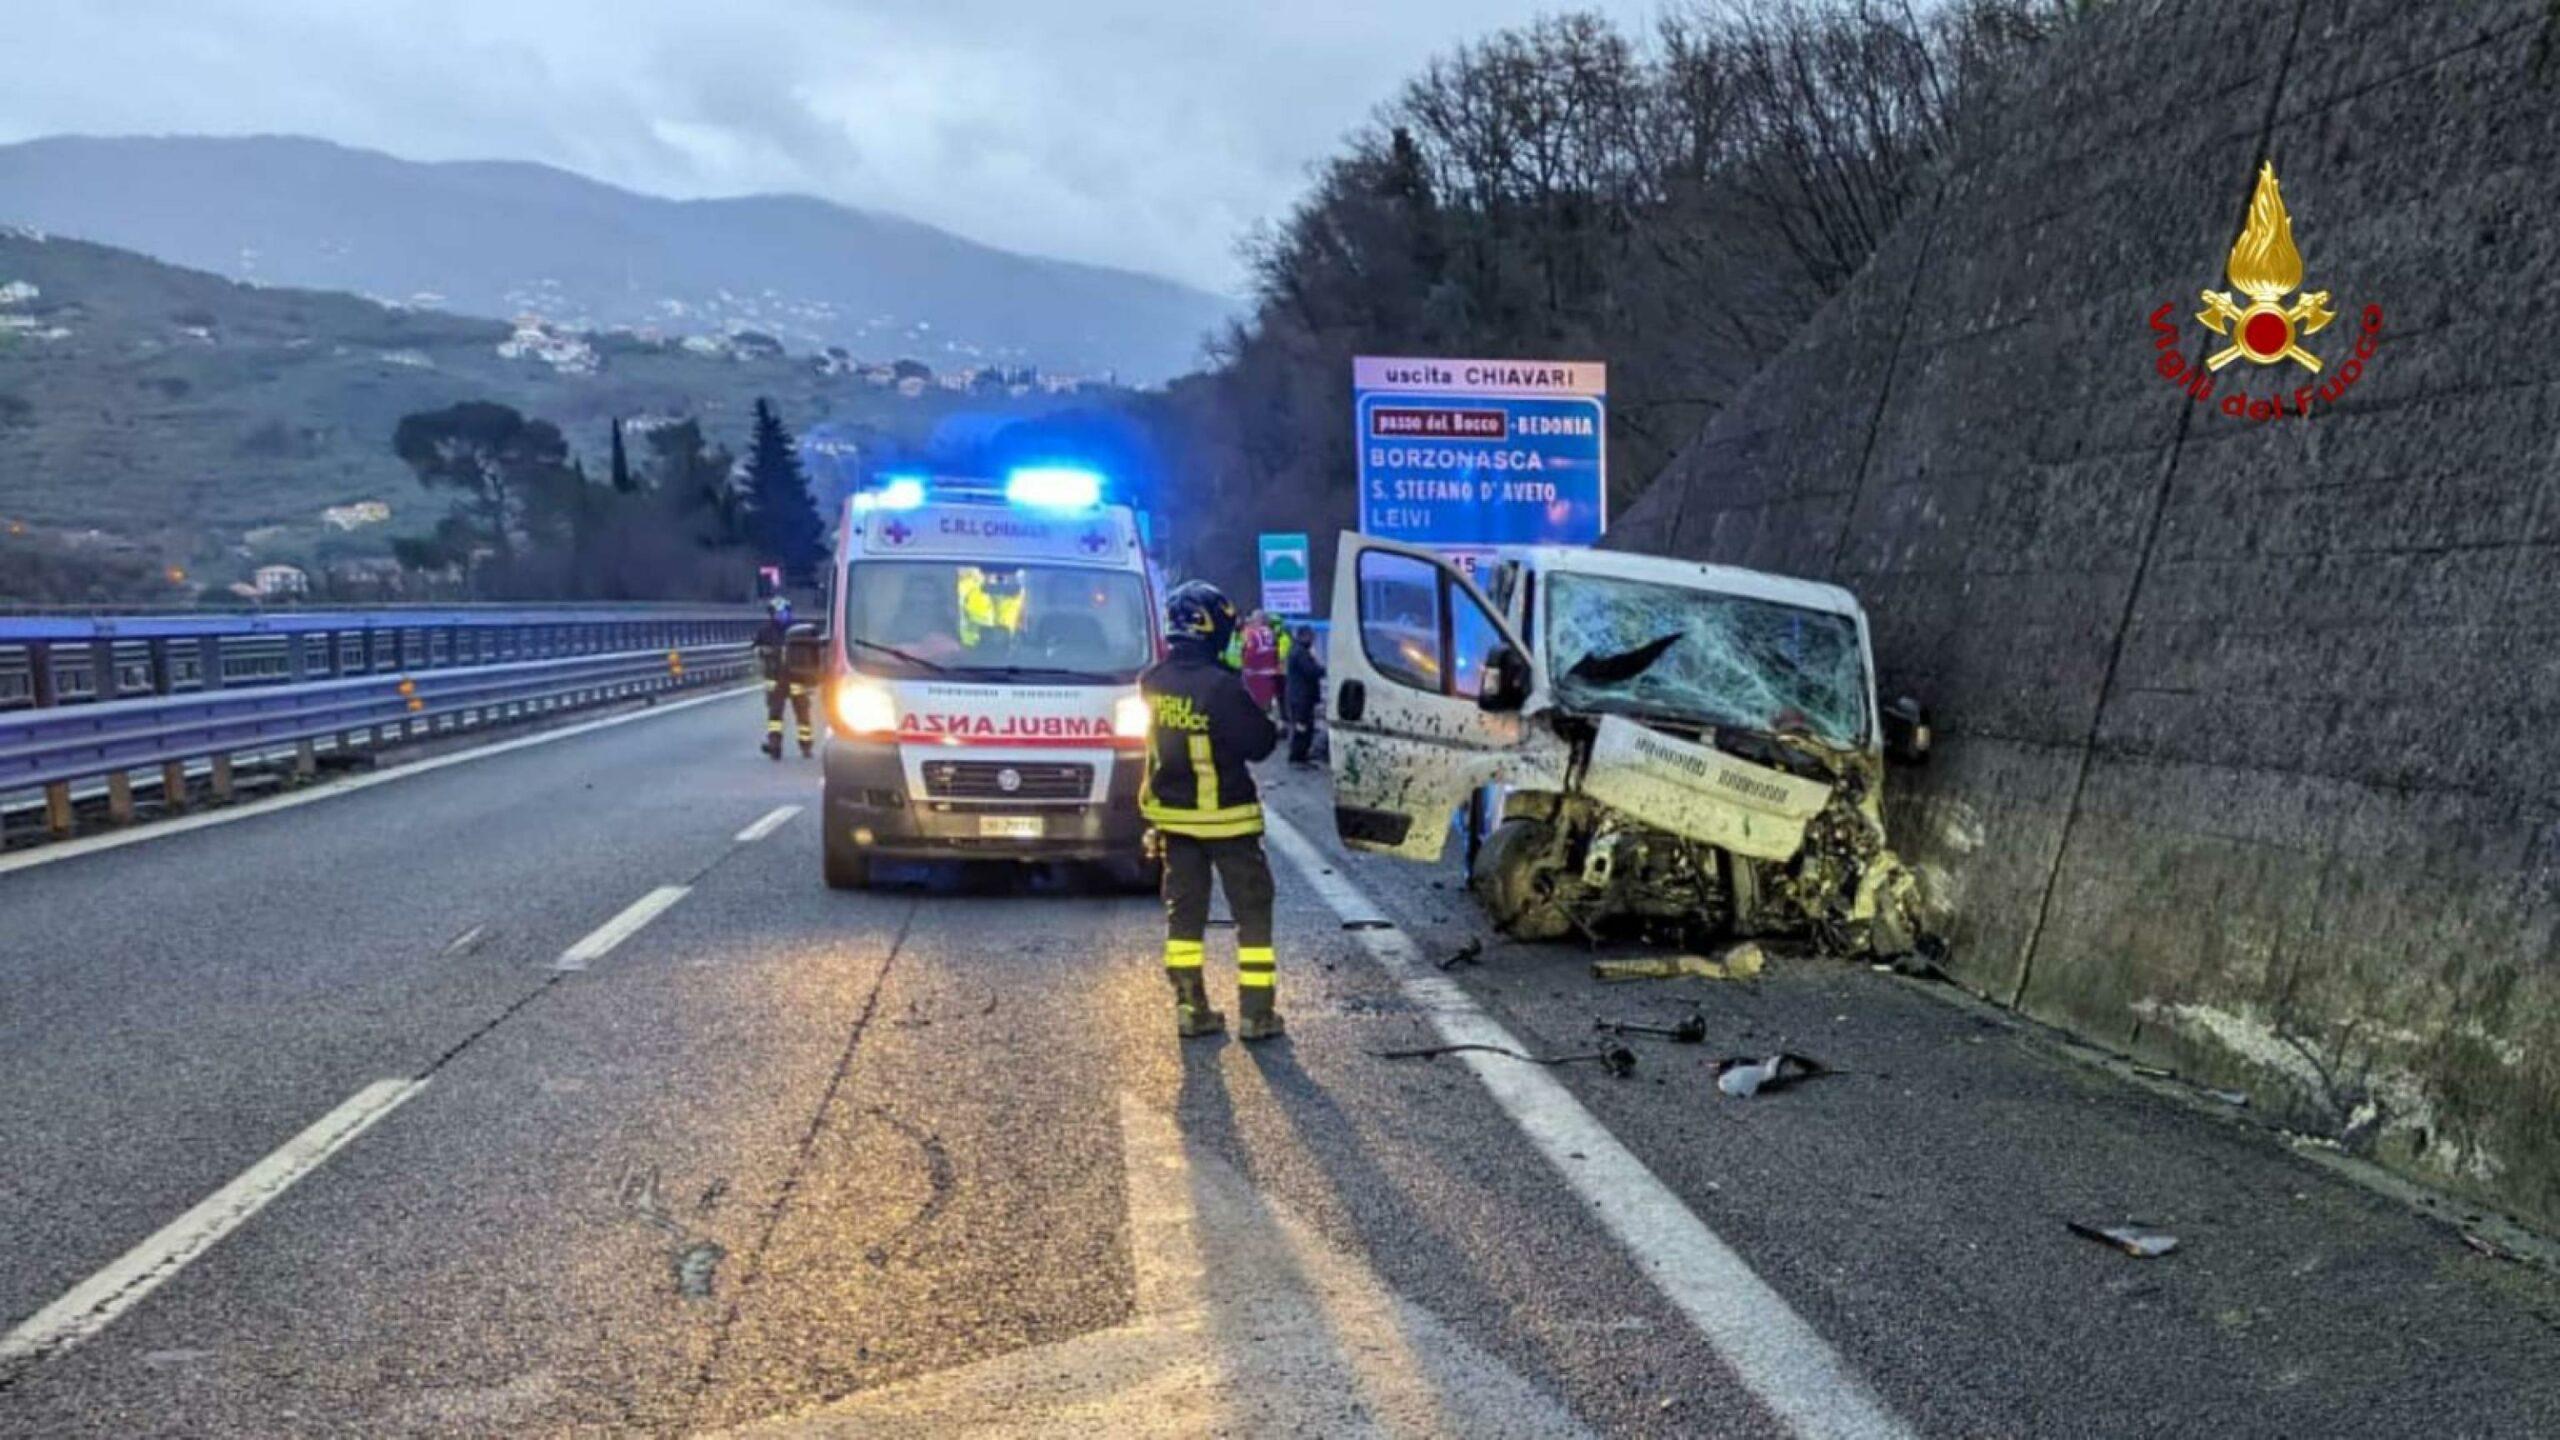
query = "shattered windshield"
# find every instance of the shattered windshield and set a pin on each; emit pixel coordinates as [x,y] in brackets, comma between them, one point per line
[1632,648]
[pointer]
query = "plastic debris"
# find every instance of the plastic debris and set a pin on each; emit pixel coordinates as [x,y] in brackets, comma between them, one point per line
[1368,925]
[1692,1029]
[2139,1241]
[1743,1076]
[1618,1060]
[1743,962]
[1467,954]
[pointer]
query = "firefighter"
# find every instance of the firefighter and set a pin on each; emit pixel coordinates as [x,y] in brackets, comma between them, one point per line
[1201,800]
[780,680]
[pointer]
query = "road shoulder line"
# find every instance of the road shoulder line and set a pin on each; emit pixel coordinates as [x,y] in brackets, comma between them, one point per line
[1777,1356]
[180,824]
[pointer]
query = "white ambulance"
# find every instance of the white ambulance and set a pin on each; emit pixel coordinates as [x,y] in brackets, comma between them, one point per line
[982,693]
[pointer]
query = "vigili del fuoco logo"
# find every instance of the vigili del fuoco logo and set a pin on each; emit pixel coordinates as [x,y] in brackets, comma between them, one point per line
[2265,267]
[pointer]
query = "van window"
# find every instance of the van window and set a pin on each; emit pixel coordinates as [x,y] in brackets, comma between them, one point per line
[1052,622]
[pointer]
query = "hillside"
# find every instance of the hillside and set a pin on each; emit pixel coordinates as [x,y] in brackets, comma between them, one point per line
[504,239]
[2245,757]
[212,422]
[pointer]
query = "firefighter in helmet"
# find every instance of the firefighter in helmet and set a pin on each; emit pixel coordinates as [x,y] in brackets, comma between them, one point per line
[782,679]
[1201,800]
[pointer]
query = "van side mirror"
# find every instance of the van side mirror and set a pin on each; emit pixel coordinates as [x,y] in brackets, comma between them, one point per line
[1906,732]
[1503,685]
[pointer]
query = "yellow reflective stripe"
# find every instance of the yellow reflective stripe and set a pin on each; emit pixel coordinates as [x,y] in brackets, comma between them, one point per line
[1184,954]
[1164,814]
[1204,773]
[1255,968]
[1254,955]
[773,727]
[1183,822]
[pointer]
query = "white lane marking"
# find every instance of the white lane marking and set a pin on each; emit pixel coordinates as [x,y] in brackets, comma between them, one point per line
[180,825]
[1776,1354]
[780,816]
[94,1303]
[600,941]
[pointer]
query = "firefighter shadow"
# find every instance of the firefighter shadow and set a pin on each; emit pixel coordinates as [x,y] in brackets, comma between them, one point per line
[1303,1337]
[1462,1257]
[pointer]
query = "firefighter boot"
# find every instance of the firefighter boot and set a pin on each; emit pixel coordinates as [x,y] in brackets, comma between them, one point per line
[773,747]
[1191,1013]
[1258,1017]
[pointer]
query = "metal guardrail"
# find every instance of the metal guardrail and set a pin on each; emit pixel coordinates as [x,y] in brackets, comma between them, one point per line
[102,696]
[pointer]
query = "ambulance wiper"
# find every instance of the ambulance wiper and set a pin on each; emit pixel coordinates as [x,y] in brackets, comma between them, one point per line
[1051,672]
[894,653]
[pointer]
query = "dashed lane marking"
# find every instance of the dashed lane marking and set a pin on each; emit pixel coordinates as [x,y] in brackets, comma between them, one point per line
[600,941]
[1777,1356]
[94,1303]
[774,820]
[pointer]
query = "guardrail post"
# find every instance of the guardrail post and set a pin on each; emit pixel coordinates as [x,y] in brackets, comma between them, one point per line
[173,785]
[120,797]
[306,759]
[57,808]
[221,783]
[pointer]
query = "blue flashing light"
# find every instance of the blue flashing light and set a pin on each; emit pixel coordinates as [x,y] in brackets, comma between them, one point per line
[898,492]
[1054,487]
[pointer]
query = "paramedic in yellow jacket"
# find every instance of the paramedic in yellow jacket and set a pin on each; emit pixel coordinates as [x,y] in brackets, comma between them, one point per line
[1201,799]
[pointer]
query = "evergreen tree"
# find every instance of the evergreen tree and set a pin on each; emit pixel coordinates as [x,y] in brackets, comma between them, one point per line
[781,518]
[623,483]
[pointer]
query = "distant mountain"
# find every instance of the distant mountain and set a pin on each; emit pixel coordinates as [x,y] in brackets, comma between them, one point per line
[215,425]
[504,239]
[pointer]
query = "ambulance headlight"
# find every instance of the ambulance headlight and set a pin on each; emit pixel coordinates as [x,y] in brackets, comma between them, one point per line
[862,707]
[1130,719]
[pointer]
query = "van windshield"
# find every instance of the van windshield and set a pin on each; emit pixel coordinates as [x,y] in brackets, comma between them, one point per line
[1046,622]
[1702,657]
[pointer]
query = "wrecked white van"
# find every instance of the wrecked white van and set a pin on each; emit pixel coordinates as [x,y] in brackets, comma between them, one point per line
[1664,742]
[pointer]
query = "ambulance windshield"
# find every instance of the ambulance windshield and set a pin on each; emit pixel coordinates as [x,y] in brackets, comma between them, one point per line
[1037,622]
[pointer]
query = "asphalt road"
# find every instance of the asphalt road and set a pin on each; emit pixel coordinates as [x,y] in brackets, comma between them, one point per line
[928,1160]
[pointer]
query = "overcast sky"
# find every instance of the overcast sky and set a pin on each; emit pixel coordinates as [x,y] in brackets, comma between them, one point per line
[1149,135]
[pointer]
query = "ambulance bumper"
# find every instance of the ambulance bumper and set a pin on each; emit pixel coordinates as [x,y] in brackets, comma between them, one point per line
[872,810]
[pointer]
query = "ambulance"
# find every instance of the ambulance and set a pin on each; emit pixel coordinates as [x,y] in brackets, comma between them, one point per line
[982,692]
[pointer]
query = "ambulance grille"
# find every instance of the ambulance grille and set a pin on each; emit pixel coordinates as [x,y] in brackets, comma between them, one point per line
[984,780]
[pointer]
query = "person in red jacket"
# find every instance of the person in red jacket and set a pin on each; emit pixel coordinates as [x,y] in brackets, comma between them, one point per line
[1261,661]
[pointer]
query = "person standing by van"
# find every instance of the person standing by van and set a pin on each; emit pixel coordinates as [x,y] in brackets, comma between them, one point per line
[1305,695]
[1200,797]
[771,646]
[1261,661]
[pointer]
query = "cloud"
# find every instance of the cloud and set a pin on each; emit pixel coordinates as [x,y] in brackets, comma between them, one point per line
[1150,136]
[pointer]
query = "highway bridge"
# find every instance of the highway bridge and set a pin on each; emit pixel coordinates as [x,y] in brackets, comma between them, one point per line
[504,1068]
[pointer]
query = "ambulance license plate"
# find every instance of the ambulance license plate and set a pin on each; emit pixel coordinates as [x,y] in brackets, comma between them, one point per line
[1009,827]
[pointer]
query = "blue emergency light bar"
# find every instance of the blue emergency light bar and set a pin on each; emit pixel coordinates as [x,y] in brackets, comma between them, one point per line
[896,492]
[1054,487]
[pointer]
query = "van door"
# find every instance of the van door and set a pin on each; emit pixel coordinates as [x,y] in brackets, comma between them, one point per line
[1412,641]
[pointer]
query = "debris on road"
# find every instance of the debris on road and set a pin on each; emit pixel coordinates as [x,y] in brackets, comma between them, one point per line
[2230,1097]
[1368,925]
[1925,960]
[1743,1076]
[2139,1241]
[1692,1029]
[1468,954]
[1743,962]
[1616,1059]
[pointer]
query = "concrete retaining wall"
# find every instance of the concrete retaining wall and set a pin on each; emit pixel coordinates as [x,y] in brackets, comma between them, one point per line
[2250,732]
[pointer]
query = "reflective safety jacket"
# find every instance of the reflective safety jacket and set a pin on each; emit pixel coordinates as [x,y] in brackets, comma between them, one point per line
[1205,730]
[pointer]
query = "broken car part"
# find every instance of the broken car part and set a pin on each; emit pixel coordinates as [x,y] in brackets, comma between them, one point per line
[1692,1029]
[1742,962]
[1616,1059]
[1744,1076]
[2139,1241]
